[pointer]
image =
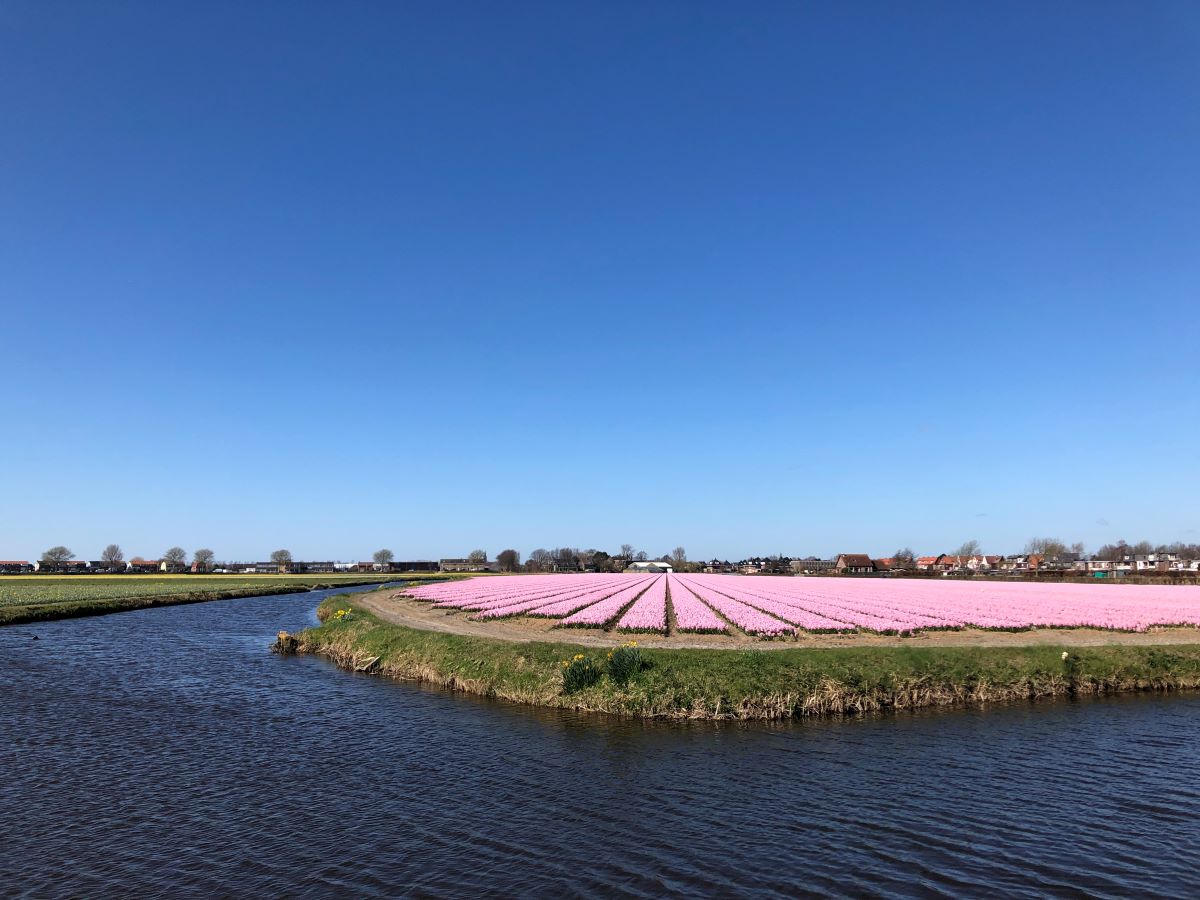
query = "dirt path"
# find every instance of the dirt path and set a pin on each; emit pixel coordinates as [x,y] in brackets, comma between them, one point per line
[392,606]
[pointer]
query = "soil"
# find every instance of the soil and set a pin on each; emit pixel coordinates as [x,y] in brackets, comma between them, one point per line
[393,606]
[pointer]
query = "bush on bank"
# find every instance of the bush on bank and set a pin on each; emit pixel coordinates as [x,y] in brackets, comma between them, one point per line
[750,683]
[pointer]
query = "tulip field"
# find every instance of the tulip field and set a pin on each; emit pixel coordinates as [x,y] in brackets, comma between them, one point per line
[778,607]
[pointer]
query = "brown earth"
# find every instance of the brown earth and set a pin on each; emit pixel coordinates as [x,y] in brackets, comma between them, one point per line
[393,606]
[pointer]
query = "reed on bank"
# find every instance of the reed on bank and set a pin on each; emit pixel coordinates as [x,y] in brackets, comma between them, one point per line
[743,684]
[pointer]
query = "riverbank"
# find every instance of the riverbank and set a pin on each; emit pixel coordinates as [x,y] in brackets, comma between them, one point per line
[751,683]
[42,610]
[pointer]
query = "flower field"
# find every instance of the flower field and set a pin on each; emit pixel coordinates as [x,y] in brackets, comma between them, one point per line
[775,607]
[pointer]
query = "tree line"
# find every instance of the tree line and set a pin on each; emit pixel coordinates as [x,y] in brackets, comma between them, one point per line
[577,559]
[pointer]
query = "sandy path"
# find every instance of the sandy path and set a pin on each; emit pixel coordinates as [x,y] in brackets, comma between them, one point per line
[392,606]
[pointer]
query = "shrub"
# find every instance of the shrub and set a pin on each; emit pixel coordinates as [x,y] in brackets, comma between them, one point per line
[624,663]
[580,672]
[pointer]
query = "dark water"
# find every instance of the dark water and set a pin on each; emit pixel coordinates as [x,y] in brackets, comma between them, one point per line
[166,752]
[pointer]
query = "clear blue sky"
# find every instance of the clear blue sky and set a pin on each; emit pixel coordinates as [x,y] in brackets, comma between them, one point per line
[798,278]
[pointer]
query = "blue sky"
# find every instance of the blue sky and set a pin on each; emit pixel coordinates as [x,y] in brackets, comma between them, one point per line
[789,278]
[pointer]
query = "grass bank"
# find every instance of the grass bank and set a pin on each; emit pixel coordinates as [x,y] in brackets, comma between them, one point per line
[744,684]
[28,599]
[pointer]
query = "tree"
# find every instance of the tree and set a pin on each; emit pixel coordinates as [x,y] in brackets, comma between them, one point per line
[1141,548]
[641,556]
[477,557]
[383,557]
[678,557]
[176,556]
[509,560]
[112,557]
[203,558]
[970,548]
[282,559]
[904,559]
[1051,547]
[539,560]
[627,551]
[56,556]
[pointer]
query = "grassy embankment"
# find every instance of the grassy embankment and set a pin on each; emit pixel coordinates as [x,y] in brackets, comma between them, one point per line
[32,598]
[746,684]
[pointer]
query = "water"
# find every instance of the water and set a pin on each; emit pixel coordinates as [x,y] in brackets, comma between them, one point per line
[167,752]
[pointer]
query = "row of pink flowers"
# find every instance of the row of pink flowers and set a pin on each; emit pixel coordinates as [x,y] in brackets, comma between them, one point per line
[649,611]
[692,613]
[600,614]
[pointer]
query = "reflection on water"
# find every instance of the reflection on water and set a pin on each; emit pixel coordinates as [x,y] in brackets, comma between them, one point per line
[166,751]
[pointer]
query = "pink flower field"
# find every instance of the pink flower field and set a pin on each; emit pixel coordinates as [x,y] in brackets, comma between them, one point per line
[774,607]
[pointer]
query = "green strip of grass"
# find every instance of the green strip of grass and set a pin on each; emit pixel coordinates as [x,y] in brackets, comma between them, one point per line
[40,610]
[747,684]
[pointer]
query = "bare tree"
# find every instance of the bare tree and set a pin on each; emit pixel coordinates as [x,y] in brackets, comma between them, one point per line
[55,557]
[509,560]
[678,557]
[175,557]
[383,557]
[969,548]
[904,558]
[203,558]
[641,556]
[112,557]
[627,551]
[539,560]
[477,557]
[282,559]
[1051,547]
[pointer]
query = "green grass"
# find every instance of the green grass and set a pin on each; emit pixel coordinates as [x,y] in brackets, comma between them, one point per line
[749,684]
[26,598]
[19,590]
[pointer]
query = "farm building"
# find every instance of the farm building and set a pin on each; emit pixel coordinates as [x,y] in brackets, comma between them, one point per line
[652,567]
[854,564]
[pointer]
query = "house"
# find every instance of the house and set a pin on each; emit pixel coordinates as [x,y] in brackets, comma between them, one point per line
[811,565]
[650,567]
[15,566]
[420,565]
[980,563]
[715,567]
[1153,562]
[102,567]
[465,565]
[854,564]
[67,567]
[926,563]
[139,566]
